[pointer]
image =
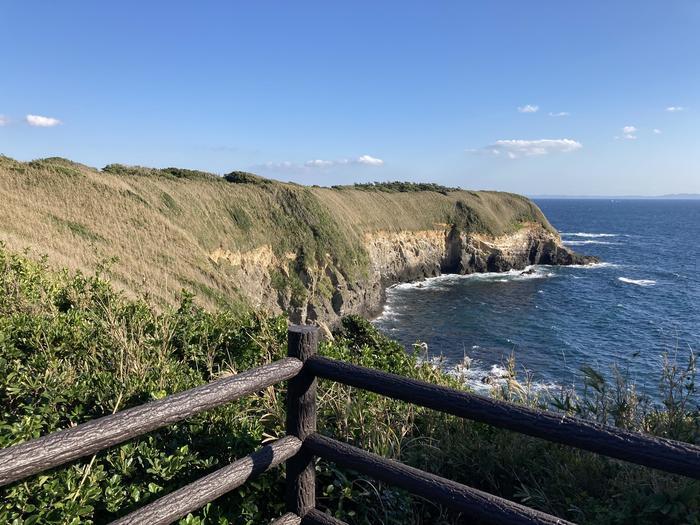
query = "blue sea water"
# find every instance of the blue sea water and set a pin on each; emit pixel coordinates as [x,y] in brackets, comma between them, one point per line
[641,302]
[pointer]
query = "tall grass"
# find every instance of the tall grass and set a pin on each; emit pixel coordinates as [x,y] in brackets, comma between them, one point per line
[163,226]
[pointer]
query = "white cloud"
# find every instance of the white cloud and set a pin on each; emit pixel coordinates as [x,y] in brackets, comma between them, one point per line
[279,165]
[528,108]
[318,163]
[628,132]
[4,121]
[657,131]
[42,122]
[365,160]
[675,109]
[532,148]
[560,114]
[369,161]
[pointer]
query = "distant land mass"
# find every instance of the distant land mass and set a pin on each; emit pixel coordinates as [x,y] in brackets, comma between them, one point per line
[669,196]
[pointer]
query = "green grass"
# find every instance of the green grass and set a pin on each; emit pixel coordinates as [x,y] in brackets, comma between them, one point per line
[78,229]
[73,349]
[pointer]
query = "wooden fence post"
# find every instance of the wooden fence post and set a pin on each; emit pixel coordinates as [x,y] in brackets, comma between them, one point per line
[301,421]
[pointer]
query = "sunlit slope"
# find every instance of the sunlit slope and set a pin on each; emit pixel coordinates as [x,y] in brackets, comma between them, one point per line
[164,230]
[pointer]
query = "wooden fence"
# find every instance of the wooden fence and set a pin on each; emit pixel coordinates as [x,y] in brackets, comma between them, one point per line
[302,444]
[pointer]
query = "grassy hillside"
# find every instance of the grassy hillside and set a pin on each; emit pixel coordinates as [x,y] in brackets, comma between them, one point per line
[158,228]
[73,349]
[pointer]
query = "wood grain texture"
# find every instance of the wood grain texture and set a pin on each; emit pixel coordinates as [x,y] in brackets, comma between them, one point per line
[474,503]
[663,454]
[60,447]
[316,517]
[287,519]
[195,495]
[301,421]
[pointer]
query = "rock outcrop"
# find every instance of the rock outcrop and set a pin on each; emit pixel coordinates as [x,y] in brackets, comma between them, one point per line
[396,257]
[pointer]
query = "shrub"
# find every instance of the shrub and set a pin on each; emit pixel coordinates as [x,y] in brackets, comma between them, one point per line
[72,349]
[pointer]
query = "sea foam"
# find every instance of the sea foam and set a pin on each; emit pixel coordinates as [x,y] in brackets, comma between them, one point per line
[638,282]
[443,281]
[588,241]
[592,235]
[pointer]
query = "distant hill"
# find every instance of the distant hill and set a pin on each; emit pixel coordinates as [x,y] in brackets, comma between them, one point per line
[670,196]
[314,252]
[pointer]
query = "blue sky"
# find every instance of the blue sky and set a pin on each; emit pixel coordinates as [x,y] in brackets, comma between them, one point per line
[530,97]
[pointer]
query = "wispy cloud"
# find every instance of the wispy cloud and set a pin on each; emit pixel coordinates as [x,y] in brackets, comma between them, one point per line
[528,108]
[4,121]
[560,114]
[675,109]
[367,160]
[362,160]
[42,122]
[656,131]
[532,148]
[284,165]
[629,132]
[320,163]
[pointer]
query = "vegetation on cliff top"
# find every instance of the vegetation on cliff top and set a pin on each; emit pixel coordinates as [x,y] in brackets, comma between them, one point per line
[161,226]
[399,187]
[72,349]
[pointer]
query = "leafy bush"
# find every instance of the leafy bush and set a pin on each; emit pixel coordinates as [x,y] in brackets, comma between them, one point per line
[400,187]
[244,177]
[72,349]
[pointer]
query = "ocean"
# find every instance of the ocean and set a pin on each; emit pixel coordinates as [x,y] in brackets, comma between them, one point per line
[640,302]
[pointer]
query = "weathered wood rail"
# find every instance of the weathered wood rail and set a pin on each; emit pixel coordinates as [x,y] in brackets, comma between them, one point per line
[302,444]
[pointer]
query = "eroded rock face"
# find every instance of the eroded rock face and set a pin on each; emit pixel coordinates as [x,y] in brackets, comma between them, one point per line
[394,257]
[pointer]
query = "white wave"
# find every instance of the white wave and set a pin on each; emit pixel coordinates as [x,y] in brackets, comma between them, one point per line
[592,266]
[581,243]
[638,282]
[484,380]
[479,378]
[443,281]
[592,235]
[389,313]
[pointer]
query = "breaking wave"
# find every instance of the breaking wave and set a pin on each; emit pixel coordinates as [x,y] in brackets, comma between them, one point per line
[483,380]
[638,282]
[442,281]
[588,241]
[592,235]
[593,266]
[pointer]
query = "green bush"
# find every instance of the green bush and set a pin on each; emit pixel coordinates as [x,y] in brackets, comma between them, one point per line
[400,187]
[72,349]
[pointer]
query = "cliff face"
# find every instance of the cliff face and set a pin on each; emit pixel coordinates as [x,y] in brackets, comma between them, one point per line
[406,256]
[395,257]
[315,253]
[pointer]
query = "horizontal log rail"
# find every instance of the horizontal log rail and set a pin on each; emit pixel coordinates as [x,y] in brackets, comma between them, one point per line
[287,519]
[663,454]
[474,503]
[197,494]
[316,517]
[23,460]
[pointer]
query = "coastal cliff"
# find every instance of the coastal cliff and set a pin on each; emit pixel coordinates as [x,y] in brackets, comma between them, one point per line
[406,256]
[315,253]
